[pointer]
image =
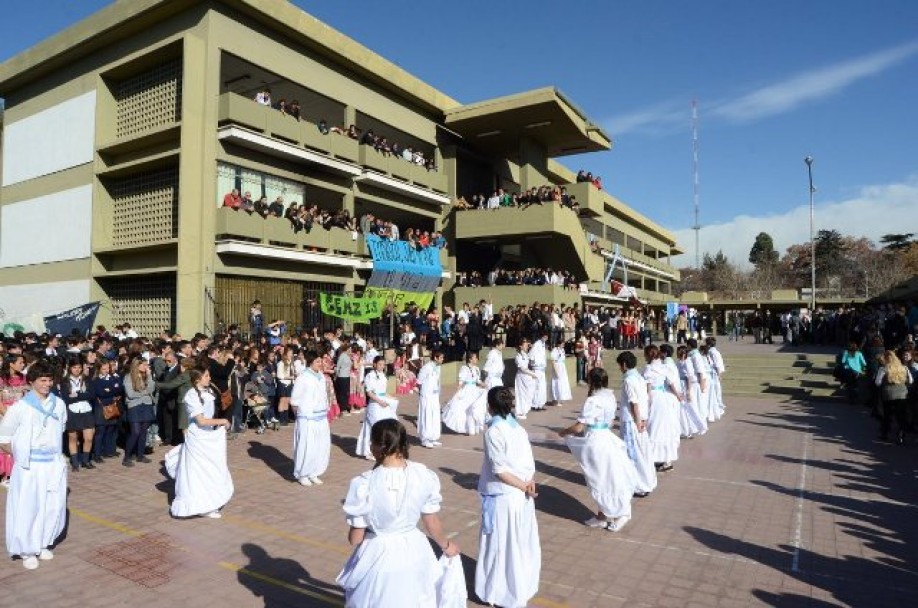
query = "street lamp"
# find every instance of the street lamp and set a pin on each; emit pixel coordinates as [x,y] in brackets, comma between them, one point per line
[809,169]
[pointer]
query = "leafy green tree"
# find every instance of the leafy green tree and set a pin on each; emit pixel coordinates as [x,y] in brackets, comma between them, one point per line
[896,242]
[763,251]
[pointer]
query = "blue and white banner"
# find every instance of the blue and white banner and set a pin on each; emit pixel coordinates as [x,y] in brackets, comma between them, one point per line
[403,274]
[80,319]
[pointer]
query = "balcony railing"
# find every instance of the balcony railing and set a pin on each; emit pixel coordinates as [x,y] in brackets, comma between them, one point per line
[232,224]
[243,112]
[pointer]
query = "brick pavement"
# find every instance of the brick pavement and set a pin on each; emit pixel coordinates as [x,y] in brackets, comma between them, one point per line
[781,504]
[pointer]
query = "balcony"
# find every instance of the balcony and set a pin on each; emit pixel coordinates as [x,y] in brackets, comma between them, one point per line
[552,231]
[254,126]
[511,295]
[239,225]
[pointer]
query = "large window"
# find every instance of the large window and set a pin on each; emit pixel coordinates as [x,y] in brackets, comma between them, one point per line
[258,183]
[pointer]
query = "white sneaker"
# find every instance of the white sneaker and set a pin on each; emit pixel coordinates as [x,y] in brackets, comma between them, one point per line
[46,555]
[214,515]
[619,523]
[305,481]
[522,417]
[5,483]
[427,444]
[316,481]
[436,444]
[594,522]
[30,562]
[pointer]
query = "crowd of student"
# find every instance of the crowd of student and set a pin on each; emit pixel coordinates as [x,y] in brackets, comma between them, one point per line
[878,366]
[586,176]
[305,217]
[500,198]
[380,143]
[528,276]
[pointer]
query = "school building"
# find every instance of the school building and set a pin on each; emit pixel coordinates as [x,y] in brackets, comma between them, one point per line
[123,133]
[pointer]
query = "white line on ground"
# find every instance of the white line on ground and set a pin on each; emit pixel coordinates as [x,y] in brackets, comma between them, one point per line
[801,493]
[712,480]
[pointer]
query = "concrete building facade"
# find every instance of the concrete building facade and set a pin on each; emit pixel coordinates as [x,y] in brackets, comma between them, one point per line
[123,133]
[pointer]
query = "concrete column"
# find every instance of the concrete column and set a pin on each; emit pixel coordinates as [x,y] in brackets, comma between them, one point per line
[533,164]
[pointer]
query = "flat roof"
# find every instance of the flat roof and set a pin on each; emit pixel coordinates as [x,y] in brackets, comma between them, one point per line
[124,18]
[545,115]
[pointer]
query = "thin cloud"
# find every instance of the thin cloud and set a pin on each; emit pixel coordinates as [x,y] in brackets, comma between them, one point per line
[876,210]
[810,86]
[672,116]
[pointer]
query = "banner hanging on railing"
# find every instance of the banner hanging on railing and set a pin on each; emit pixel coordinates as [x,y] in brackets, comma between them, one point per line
[76,320]
[359,310]
[403,274]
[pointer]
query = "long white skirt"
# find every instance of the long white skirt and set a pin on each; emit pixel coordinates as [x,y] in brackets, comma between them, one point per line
[715,399]
[663,427]
[36,506]
[429,428]
[374,414]
[691,420]
[638,446]
[540,396]
[493,381]
[524,387]
[465,413]
[510,557]
[202,478]
[560,384]
[610,475]
[311,447]
[395,569]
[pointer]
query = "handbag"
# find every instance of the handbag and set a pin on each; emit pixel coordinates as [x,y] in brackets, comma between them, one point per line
[226,400]
[112,410]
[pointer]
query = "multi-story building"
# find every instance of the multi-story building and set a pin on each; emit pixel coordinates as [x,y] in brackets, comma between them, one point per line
[123,134]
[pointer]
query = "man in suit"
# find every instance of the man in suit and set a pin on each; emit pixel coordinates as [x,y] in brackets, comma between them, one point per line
[168,399]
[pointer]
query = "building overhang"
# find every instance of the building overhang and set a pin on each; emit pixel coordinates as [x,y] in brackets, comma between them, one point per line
[273,252]
[545,116]
[282,149]
[645,268]
[394,185]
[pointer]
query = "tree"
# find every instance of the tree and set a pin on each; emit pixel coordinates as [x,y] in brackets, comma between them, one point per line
[763,251]
[720,275]
[831,255]
[897,242]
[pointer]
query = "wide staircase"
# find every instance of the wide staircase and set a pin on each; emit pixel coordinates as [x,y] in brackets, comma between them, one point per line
[790,375]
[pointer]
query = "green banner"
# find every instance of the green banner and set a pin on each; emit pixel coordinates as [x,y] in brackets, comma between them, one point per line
[400,298]
[352,309]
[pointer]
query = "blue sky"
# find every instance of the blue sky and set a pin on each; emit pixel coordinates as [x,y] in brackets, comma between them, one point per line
[774,80]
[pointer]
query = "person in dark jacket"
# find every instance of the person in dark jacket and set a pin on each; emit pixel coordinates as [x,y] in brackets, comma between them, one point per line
[168,404]
[107,388]
[76,393]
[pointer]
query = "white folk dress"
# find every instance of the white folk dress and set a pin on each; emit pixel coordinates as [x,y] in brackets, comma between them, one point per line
[312,435]
[429,428]
[524,385]
[466,412]
[376,384]
[538,361]
[609,472]
[634,390]
[394,566]
[716,362]
[663,424]
[36,502]
[560,384]
[494,367]
[695,419]
[202,477]
[509,553]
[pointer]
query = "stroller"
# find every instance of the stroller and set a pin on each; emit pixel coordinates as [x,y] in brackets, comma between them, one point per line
[257,403]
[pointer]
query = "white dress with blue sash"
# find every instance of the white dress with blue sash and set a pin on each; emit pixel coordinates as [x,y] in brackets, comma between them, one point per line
[312,435]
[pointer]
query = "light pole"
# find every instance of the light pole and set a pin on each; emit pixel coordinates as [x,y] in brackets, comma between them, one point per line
[809,169]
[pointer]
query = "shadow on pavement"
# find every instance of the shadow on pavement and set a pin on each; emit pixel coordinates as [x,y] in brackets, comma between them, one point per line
[283,582]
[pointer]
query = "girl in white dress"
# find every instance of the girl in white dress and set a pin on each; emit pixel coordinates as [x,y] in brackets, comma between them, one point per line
[509,553]
[379,405]
[633,413]
[393,564]
[691,420]
[312,435]
[465,413]
[494,365]
[715,408]
[560,385]
[202,479]
[608,470]
[429,426]
[663,424]
[526,380]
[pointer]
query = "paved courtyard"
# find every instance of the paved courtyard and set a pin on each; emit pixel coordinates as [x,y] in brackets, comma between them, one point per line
[781,504]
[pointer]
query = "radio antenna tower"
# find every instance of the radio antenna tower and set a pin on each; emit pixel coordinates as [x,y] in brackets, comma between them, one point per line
[695,196]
